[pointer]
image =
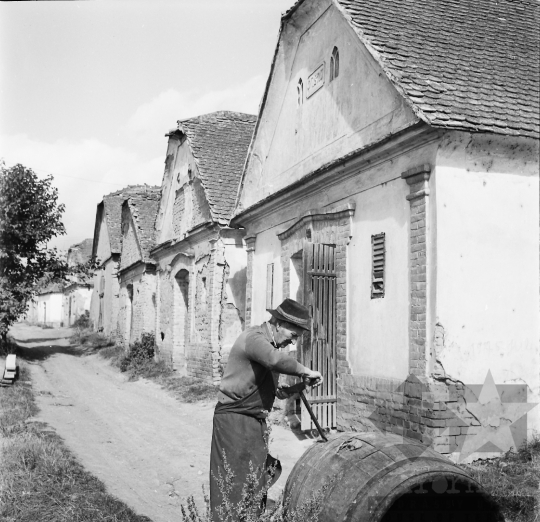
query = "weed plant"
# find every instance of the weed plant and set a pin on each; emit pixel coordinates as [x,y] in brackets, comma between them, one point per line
[40,480]
[250,507]
[513,480]
[188,389]
[87,338]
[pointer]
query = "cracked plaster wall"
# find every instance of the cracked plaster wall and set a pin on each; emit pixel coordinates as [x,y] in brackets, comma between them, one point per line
[216,306]
[486,296]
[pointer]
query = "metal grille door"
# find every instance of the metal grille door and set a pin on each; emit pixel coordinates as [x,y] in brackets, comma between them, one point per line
[319,350]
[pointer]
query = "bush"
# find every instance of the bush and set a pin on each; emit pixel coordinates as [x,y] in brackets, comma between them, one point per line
[7,346]
[83,321]
[139,354]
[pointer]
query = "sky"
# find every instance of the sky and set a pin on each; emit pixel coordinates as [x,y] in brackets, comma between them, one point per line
[88,89]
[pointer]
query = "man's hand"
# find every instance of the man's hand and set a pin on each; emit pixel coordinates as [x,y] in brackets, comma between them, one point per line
[312,378]
[283,393]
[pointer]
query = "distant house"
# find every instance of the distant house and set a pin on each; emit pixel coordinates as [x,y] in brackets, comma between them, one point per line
[106,248]
[78,291]
[47,307]
[392,186]
[201,261]
[137,272]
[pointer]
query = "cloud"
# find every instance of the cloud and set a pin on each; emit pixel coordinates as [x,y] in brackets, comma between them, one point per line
[153,119]
[83,172]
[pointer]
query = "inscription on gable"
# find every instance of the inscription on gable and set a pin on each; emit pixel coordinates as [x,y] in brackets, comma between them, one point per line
[315,80]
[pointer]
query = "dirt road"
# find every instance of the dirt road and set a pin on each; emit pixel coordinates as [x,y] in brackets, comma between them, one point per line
[149,449]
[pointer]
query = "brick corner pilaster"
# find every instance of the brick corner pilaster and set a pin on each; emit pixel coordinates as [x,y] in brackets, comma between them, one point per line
[418,180]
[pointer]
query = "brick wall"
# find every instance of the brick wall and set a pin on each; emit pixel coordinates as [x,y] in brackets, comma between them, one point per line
[137,315]
[178,212]
[419,408]
[164,330]
[202,324]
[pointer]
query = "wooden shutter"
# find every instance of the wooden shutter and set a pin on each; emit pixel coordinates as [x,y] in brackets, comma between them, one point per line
[319,349]
[269,285]
[378,259]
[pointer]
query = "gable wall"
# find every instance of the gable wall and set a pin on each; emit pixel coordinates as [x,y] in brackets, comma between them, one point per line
[183,205]
[358,108]
[103,251]
[131,252]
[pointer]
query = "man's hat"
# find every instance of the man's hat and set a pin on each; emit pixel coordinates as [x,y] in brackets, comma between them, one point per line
[292,312]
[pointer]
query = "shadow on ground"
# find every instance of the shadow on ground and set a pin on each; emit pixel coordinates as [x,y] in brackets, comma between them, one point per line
[40,353]
[34,345]
[38,340]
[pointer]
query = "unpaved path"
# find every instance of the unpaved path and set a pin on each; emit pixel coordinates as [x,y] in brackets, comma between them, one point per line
[149,449]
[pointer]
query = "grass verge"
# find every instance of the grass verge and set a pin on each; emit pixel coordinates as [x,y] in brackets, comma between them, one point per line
[139,362]
[513,480]
[39,478]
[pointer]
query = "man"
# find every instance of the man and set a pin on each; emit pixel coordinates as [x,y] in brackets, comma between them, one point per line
[246,395]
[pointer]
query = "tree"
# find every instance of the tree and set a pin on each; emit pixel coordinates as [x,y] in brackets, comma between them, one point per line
[30,217]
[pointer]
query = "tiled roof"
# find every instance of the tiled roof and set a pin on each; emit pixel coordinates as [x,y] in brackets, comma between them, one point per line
[51,288]
[144,209]
[112,206]
[80,252]
[463,64]
[219,142]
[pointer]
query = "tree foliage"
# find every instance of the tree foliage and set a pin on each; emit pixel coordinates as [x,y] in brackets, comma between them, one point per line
[30,216]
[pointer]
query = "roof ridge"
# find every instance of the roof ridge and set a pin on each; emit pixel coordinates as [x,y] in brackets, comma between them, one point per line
[131,189]
[216,114]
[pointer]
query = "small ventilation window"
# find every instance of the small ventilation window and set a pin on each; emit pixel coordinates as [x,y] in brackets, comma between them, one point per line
[269,285]
[334,64]
[300,92]
[378,257]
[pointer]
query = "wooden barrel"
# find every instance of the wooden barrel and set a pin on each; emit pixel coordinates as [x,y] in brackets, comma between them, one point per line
[376,477]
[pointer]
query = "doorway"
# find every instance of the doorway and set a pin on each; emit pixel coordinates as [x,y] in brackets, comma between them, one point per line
[319,348]
[181,320]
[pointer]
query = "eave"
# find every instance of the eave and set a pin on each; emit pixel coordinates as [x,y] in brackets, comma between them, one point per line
[338,170]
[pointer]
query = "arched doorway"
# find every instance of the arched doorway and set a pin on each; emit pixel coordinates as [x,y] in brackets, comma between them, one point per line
[180,320]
